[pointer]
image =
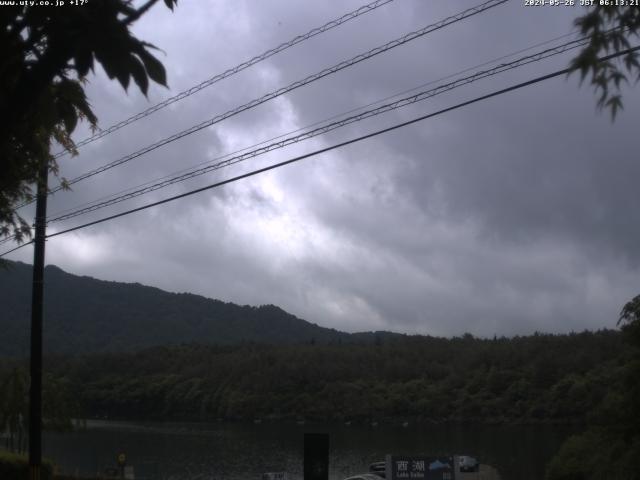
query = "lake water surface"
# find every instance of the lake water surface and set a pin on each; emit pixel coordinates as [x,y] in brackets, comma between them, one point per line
[190,451]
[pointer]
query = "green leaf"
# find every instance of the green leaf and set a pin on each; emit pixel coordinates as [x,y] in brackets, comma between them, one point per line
[602,100]
[113,65]
[139,74]
[614,104]
[617,78]
[170,3]
[107,64]
[154,68]
[74,93]
[615,39]
[631,60]
[84,62]
[68,115]
[123,75]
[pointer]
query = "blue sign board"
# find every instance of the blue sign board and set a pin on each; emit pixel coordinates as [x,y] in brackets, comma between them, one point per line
[404,467]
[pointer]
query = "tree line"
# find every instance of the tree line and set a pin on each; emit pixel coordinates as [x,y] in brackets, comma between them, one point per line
[587,379]
[609,446]
[60,412]
[538,378]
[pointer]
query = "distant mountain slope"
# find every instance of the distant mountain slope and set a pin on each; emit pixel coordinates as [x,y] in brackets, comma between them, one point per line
[84,315]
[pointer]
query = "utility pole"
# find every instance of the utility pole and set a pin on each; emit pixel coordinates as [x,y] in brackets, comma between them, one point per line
[35,390]
[316,456]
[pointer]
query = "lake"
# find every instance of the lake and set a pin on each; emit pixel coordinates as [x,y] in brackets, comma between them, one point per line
[207,451]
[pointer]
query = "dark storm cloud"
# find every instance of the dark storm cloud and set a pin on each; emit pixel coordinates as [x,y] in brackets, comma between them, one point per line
[528,172]
[506,217]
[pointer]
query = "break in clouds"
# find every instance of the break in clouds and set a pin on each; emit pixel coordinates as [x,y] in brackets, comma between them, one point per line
[514,215]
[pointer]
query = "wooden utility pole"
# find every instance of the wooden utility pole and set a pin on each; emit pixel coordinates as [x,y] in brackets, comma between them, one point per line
[316,456]
[35,390]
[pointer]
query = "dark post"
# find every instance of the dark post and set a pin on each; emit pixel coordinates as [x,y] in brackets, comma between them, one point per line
[35,390]
[316,456]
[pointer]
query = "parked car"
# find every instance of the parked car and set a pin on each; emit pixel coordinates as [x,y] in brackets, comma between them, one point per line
[468,464]
[364,476]
[376,472]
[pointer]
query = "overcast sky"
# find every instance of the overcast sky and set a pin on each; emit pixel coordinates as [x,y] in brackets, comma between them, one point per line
[514,215]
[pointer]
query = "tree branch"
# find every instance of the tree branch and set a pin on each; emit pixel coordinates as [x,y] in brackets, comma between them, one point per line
[139,12]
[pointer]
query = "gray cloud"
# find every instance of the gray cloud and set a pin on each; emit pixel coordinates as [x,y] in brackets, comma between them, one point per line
[507,217]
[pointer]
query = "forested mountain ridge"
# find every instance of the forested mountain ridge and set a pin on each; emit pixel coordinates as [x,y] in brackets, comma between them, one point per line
[539,378]
[83,315]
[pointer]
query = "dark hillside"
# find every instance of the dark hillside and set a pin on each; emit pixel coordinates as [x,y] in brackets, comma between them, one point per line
[83,315]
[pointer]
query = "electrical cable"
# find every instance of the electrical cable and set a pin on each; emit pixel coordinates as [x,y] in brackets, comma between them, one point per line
[338,145]
[297,84]
[306,127]
[232,71]
[16,248]
[332,147]
[403,102]
[7,239]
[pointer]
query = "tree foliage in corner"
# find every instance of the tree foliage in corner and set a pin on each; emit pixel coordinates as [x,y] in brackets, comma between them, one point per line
[609,29]
[60,404]
[45,56]
[610,446]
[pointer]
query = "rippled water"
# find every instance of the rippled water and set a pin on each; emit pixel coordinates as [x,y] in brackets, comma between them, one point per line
[190,451]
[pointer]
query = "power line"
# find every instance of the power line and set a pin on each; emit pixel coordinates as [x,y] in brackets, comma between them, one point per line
[16,248]
[307,127]
[232,71]
[227,73]
[297,84]
[189,170]
[301,129]
[339,145]
[14,236]
[8,239]
[403,102]
[333,147]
